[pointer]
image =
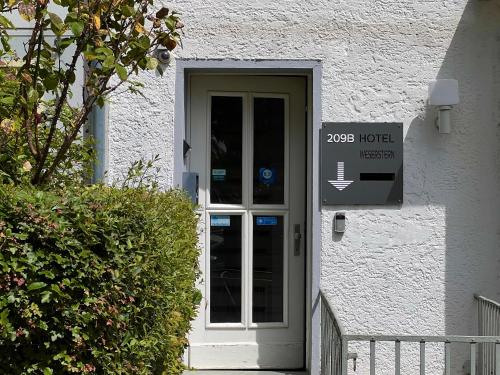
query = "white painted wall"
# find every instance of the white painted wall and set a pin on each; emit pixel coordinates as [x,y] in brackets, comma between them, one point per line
[402,270]
[20,36]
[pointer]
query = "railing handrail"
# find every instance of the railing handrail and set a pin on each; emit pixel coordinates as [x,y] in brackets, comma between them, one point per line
[484,299]
[427,339]
[332,313]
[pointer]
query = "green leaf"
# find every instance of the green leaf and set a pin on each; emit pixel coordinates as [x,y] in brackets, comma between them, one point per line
[72,77]
[121,71]
[152,63]
[46,296]
[56,20]
[55,335]
[56,289]
[50,82]
[5,44]
[9,100]
[127,11]
[76,28]
[171,23]
[108,62]
[5,23]
[4,318]
[100,101]
[56,24]
[47,371]
[65,43]
[45,53]
[144,42]
[32,95]
[36,285]
[105,51]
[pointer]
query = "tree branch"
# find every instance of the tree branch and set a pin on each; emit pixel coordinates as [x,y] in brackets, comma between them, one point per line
[68,140]
[24,92]
[59,106]
[35,79]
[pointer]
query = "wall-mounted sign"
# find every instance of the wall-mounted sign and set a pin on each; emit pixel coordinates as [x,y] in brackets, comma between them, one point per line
[361,163]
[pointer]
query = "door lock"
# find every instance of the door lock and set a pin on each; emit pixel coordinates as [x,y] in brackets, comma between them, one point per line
[297,236]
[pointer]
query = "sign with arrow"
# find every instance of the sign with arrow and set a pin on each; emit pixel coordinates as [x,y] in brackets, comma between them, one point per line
[340,183]
[361,163]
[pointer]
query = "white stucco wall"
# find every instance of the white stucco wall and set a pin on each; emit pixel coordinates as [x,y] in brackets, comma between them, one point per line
[404,270]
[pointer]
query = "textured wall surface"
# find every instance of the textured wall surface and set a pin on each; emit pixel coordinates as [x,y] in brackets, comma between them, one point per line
[404,270]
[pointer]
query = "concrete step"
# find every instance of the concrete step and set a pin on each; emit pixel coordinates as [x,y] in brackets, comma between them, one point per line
[243,372]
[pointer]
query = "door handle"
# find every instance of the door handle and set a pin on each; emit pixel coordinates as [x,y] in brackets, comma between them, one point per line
[297,236]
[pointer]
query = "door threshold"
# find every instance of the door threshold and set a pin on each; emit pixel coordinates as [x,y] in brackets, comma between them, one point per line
[244,372]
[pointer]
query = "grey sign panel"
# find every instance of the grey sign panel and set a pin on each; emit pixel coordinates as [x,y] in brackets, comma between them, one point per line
[361,163]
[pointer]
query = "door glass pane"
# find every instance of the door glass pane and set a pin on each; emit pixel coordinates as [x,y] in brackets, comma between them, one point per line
[269,151]
[267,268]
[225,269]
[226,149]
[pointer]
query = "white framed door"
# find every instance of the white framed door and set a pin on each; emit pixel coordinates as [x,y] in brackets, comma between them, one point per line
[248,137]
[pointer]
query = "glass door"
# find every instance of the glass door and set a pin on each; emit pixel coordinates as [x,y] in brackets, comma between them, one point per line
[250,159]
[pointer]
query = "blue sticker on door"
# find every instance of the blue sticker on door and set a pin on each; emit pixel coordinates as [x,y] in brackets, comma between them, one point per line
[220,221]
[218,174]
[267,176]
[266,220]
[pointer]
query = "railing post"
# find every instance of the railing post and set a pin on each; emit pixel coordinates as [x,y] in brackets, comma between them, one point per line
[397,359]
[422,357]
[480,317]
[331,347]
[323,338]
[480,331]
[447,357]
[497,358]
[472,358]
[326,345]
[372,357]
[345,355]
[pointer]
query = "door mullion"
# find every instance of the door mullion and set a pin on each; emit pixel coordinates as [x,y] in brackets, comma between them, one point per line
[248,198]
[244,271]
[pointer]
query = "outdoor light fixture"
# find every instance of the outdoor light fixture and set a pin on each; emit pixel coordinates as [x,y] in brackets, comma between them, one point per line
[443,93]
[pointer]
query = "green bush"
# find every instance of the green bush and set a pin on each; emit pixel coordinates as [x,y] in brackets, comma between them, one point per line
[95,280]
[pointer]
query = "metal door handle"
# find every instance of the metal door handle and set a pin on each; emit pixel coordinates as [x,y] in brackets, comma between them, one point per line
[297,236]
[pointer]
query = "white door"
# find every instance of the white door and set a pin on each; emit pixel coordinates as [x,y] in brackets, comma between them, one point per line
[248,138]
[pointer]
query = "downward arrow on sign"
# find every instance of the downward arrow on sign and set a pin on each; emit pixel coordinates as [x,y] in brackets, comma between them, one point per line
[340,183]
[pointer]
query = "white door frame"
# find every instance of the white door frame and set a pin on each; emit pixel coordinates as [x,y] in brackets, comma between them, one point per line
[312,70]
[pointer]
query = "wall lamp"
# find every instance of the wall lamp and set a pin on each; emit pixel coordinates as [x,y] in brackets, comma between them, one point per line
[443,93]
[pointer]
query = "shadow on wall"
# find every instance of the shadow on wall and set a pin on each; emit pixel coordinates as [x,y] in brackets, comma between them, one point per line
[463,169]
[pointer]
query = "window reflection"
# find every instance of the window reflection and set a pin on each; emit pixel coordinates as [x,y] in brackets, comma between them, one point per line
[267,268]
[226,149]
[269,151]
[225,269]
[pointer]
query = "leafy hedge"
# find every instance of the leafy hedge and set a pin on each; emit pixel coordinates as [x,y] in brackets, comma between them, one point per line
[95,280]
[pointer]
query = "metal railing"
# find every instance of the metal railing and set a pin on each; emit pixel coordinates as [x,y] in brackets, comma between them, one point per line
[488,314]
[331,341]
[473,342]
[335,345]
